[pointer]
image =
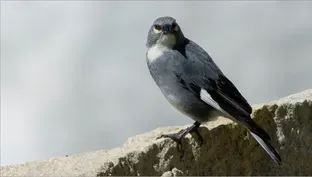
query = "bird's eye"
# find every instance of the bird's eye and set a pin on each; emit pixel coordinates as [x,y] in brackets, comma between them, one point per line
[157,27]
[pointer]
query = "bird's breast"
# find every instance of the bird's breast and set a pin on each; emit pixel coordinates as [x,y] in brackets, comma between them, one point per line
[156,52]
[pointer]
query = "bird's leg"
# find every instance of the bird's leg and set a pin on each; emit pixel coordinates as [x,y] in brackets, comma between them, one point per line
[177,137]
[195,130]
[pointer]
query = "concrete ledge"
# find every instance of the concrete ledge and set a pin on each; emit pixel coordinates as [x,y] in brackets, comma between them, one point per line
[228,149]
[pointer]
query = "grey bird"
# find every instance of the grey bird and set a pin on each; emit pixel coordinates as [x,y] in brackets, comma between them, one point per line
[192,82]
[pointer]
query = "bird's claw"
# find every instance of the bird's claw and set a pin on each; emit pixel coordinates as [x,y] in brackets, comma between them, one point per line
[175,137]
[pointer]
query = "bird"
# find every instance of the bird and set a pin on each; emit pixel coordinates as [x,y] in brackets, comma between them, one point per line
[193,83]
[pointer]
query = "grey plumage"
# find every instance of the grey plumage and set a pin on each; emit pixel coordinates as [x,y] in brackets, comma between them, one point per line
[192,82]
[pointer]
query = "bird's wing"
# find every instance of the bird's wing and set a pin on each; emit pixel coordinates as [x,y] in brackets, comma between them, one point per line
[201,76]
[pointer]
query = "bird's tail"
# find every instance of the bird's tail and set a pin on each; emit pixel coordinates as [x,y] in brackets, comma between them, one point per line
[262,138]
[265,144]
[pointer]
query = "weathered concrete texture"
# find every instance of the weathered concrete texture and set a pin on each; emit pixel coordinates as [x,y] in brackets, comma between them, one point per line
[228,149]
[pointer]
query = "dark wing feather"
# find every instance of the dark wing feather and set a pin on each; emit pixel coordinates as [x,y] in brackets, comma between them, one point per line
[202,73]
[229,98]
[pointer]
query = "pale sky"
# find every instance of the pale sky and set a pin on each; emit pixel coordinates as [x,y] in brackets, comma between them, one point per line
[74,77]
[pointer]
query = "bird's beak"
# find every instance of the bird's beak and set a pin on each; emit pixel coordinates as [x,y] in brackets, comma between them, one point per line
[167,29]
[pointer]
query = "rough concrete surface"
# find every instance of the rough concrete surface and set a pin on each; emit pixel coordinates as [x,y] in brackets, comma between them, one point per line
[227,150]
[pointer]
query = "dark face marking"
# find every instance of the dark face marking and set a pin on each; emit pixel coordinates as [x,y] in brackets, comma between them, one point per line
[181,47]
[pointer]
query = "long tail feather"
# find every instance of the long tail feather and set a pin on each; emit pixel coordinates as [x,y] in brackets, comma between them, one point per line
[267,147]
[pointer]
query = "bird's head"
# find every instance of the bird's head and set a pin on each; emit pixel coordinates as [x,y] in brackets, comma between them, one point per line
[164,31]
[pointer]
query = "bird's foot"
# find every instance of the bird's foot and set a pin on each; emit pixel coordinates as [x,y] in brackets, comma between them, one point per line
[177,137]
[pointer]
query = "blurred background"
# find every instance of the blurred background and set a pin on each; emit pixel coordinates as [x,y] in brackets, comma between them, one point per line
[74,76]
